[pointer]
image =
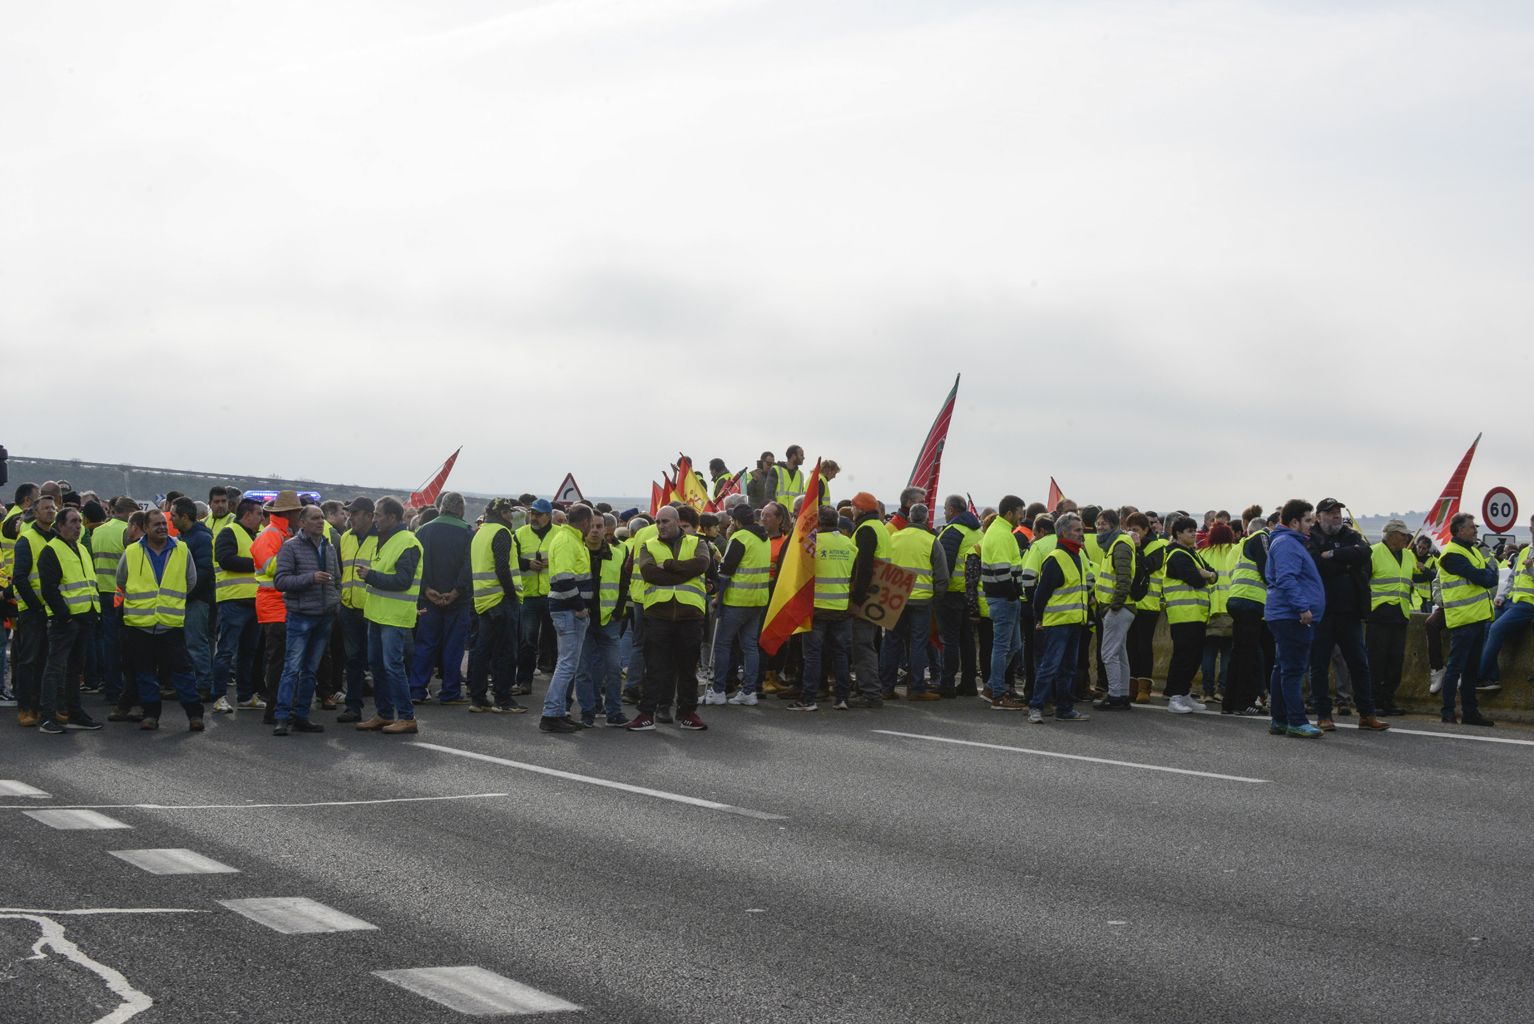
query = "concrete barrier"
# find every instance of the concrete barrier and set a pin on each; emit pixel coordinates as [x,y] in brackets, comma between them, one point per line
[1513,703]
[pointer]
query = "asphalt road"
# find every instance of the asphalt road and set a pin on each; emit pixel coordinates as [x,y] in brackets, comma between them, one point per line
[816,868]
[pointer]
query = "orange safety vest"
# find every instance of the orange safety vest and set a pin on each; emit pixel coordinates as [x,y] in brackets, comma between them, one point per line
[269,604]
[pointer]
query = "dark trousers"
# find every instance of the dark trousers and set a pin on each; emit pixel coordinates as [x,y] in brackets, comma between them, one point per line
[440,634]
[670,664]
[494,654]
[157,656]
[29,655]
[1346,633]
[1028,657]
[535,622]
[331,679]
[354,628]
[1248,665]
[958,636]
[109,656]
[1187,657]
[1465,645]
[274,636]
[827,646]
[1436,627]
[236,651]
[1387,652]
[1142,645]
[60,691]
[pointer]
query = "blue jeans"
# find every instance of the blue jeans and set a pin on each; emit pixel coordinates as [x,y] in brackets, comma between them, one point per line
[386,653]
[236,652]
[1006,638]
[440,632]
[1292,643]
[746,624]
[307,636]
[199,643]
[570,637]
[635,634]
[1059,650]
[109,656]
[354,631]
[1511,617]
[599,676]
[908,642]
[1216,649]
[828,639]
[494,654]
[1465,647]
[534,609]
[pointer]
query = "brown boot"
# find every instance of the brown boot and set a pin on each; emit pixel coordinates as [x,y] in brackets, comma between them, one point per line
[1369,723]
[27,719]
[402,725]
[1138,691]
[374,724]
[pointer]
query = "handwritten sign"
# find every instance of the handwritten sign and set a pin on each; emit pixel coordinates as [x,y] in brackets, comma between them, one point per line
[888,593]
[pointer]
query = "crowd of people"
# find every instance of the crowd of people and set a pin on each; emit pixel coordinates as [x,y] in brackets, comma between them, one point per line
[303,606]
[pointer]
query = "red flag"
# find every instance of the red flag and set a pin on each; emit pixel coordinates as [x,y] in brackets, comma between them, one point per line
[971,499]
[929,462]
[729,487]
[1436,525]
[1056,496]
[793,597]
[657,499]
[427,493]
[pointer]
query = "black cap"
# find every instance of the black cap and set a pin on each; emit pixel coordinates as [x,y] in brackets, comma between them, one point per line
[744,512]
[360,504]
[1328,505]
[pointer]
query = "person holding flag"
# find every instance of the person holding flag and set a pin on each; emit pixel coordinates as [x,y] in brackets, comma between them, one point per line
[830,632]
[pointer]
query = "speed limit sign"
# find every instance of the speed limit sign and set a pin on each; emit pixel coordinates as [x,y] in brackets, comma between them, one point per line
[1499,510]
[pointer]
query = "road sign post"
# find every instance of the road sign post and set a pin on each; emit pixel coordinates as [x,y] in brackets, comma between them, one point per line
[1499,510]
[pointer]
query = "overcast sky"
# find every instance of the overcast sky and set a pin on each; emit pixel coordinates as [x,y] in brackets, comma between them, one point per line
[1191,254]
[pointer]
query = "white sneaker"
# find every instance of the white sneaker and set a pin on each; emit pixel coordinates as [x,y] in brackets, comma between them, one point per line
[223,707]
[1179,705]
[713,696]
[1435,680]
[744,699]
[1194,704]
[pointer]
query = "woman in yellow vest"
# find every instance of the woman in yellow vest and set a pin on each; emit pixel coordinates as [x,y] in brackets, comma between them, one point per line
[1185,596]
[1251,653]
[830,634]
[1221,555]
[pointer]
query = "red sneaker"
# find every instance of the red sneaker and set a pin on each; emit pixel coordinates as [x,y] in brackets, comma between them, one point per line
[642,723]
[691,722]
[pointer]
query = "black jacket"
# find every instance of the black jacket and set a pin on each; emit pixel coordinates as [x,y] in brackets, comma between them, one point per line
[1345,575]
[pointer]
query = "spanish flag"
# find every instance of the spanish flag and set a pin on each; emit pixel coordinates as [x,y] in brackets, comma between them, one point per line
[688,487]
[793,599]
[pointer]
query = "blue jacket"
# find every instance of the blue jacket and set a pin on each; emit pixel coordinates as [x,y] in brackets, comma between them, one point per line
[1294,584]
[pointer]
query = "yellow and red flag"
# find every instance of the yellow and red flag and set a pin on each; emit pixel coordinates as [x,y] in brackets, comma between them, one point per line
[793,599]
[688,487]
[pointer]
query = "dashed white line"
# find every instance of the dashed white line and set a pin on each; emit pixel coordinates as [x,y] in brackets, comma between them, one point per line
[10,787]
[297,915]
[1073,757]
[589,780]
[257,807]
[75,819]
[174,862]
[475,991]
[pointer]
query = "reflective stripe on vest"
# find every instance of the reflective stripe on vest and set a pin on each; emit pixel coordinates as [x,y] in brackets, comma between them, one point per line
[35,543]
[77,583]
[485,583]
[394,607]
[1522,590]
[148,603]
[911,549]
[689,593]
[834,555]
[1246,580]
[969,540]
[1105,575]
[609,579]
[356,554]
[750,582]
[1151,602]
[231,586]
[1067,606]
[1390,581]
[1464,603]
[533,584]
[1183,601]
[107,543]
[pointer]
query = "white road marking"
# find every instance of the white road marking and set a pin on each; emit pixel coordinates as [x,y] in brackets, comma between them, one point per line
[10,787]
[256,806]
[1394,729]
[93,911]
[1074,757]
[174,862]
[475,991]
[658,794]
[297,915]
[75,819]
[132,1001]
